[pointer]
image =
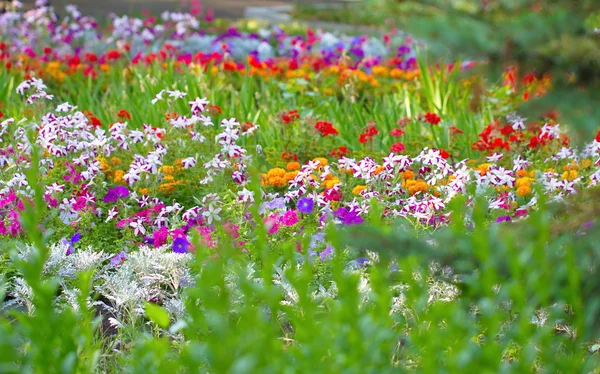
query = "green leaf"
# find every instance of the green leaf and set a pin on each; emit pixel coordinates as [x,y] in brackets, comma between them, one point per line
[157,315]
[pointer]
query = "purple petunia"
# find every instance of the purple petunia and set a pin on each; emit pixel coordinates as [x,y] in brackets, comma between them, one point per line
[305,205]
[114,194]
[118,259]
[180,245]
[348,217]
[503,219]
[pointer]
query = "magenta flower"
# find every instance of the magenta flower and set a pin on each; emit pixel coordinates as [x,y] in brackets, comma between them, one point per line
[290,218]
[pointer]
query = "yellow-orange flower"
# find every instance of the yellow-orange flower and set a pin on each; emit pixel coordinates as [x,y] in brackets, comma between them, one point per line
[525,181]
[277,181]
[331,183]
[144,191]
[166,169]
[322,161]
[524,190]
[293,166]
[290,175]
[408,174]
[276,172]
[118,178]
[570,175]
[358,189]
[521,173]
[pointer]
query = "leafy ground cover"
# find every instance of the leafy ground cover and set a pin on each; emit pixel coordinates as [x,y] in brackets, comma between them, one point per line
[179,197]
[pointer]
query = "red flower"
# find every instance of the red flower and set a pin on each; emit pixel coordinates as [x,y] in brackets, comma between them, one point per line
[598,137]
[506,130]
[47,50]
[325,128]
[445,155]
[340,152]
[91,57]
[290,116]
[113,55]
[397,147]
[332,194]
[454,131]
[369,133]
[214,109]
[123,114]
[289,156]
[534,142]
[432,118]
[1,114]
[397,132]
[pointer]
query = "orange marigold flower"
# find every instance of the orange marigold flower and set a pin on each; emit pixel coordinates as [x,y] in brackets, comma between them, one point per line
[523,191]
[118,177]
[275,172]
[293,166]
[358,189]
[277,181]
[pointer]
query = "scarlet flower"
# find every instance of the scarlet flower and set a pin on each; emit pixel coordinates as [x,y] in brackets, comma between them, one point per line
[214,109]
[289,156]
[369,133]
[47,50]
[340,152]
[432,118]
[445,155]
[290,116]
[1,114]
[397,132]
[91,57]
[325,128]
[363,138]
[123,114]
[454,131]
[113,55]
[598,137]
[506,130]
[397,147]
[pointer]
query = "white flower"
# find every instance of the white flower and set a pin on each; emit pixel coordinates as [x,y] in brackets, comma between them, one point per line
[65,107]
[188,163]
[198,105]
[138,227]
[212,214]
[158,97]
[112,213]
[176,94]
[246,195]
[495,157]
[518,123]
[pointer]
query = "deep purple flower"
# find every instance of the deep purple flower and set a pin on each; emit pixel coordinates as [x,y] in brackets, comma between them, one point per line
[115,193]
[348,217]
[305,205]
[503,219]
[180,245]
[75,238]
[118,259]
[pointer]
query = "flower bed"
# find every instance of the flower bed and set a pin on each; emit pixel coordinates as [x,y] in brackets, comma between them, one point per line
[161,157]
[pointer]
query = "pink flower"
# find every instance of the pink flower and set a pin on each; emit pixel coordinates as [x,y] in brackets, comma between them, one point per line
[160,236]
[290,218]
[272,223]
[232,229]
[178,233]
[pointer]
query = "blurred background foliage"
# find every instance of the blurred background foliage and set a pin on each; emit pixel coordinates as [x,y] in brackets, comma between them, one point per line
[556,37]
